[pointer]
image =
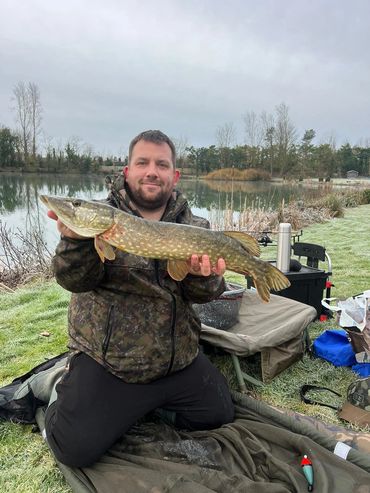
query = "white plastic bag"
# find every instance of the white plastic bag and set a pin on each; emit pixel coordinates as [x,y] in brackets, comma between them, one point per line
[353,312]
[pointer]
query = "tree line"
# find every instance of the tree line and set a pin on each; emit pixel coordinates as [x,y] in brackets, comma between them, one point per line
[271,143]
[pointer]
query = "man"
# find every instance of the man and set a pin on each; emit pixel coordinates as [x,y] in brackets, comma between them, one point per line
[133,333]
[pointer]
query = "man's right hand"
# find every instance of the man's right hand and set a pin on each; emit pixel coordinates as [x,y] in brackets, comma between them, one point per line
[63,229]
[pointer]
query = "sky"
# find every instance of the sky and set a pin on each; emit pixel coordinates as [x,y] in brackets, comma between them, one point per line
[109,69]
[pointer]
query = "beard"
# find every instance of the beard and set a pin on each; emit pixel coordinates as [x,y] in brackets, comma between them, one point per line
[143,201]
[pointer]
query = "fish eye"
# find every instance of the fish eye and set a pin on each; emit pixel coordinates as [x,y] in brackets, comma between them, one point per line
[76,203]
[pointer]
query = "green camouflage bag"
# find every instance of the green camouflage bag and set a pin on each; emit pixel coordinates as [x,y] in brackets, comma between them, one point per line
[357,407]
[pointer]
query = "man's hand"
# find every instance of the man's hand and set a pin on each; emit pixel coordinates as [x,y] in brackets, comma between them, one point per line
[201,266]
[62,228]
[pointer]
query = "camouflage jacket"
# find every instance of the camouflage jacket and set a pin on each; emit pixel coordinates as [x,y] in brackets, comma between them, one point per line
[128,314]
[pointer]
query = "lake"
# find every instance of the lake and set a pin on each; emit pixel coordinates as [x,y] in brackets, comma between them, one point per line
[21,208]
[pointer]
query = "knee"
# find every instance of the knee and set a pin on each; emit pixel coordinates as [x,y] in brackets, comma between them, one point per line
[222,416]
[209,419]
[223,410]
[73,454]
[72,448]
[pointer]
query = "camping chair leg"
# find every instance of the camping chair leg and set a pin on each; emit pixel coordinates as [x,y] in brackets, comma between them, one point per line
[242,376]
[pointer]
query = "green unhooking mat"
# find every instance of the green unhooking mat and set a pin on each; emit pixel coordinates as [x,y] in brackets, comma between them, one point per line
[260,452]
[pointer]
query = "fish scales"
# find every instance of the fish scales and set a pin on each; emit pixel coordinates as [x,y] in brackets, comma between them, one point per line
[169,240]
[166,241]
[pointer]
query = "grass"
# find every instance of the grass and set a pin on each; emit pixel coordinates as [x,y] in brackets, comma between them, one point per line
[26,465]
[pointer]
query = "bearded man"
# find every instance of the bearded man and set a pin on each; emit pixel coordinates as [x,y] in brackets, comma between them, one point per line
[133,334]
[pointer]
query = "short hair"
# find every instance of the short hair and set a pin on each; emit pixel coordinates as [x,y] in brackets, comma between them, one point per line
[155,136]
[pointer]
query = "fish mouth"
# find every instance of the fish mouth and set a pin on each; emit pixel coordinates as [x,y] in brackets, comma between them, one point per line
[44,199]
[85,224]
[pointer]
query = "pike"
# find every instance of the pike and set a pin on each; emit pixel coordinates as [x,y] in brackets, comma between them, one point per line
[111,227]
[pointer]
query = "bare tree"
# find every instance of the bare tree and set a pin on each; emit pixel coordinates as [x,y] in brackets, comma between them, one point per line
[35,109]
[75,143]
[254,136]
[28,116]
[181,143]
[285,135]
[268,131]
[253,126]
[225,138]
[226,135]
[332,141]
[23,116]
[267,122]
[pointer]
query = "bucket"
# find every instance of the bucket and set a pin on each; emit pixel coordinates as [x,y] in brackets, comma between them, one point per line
[223,312]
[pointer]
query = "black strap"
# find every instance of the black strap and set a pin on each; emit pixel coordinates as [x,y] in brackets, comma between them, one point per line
[306,388]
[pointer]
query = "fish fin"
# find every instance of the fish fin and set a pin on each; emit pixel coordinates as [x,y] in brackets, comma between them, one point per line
[104,249]
[249,243]
[177,269]
[273,279]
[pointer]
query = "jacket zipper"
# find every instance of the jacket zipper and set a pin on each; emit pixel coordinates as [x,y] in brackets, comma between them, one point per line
[173,317]
[109,329]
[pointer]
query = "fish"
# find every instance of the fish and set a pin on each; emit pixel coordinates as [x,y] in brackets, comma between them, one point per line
[113,228]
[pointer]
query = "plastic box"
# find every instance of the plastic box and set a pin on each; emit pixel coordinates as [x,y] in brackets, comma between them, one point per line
[307,286]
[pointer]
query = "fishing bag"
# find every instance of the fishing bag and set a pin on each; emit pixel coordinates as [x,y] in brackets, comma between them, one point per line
[353,314]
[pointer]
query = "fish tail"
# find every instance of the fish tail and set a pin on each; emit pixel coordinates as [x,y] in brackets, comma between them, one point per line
[271,280]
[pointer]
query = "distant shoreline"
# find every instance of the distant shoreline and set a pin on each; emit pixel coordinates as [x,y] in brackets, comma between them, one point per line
[361,181]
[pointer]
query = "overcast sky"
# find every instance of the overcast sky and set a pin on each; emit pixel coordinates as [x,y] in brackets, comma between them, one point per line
[108,69]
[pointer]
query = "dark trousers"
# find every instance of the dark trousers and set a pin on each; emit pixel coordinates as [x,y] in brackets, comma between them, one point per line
[94,408]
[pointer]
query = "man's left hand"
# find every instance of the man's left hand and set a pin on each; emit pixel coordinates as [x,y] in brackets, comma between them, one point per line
[201,266]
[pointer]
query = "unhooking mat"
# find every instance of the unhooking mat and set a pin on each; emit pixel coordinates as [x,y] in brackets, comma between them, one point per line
[259,452]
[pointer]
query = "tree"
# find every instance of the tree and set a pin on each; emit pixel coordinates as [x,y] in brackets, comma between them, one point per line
[254,129]
[35,113]
[363,156]
[73,159]
[226,135]
[23,116]
[181,144]
[285,137]
[28,116]
[254,134]
[225,138]
[204,159]
[270,150]
[324,160]
[306,151]
[8,148]
[347,158]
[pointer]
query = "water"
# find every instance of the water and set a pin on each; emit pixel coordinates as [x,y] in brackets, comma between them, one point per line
[20,207]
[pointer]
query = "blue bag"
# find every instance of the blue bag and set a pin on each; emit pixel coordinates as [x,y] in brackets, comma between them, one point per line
[334,346]
[362,369]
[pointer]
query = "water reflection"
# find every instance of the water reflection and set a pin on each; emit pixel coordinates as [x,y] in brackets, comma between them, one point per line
[21,208]
[240,195]
[22,191]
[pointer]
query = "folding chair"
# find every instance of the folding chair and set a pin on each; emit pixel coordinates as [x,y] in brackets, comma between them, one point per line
[276,330]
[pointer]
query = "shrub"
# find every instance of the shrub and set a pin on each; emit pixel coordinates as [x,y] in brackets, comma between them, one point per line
[351,198]
[366,196]
[250,174]
[333,202]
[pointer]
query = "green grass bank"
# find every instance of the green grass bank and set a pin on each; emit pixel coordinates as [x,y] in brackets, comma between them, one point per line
[33,328]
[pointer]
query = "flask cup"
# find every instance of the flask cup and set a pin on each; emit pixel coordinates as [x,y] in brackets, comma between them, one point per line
[284,247]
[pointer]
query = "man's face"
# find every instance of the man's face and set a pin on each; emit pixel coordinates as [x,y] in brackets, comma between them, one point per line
[150,174]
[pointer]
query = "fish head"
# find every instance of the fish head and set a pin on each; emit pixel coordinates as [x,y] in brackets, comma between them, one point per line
[84,217]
